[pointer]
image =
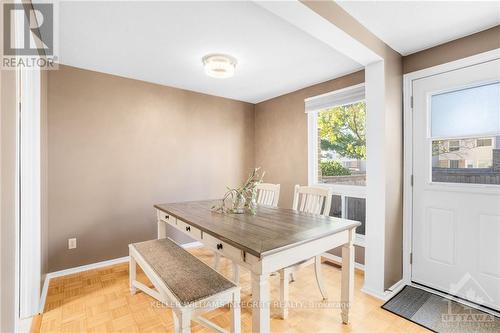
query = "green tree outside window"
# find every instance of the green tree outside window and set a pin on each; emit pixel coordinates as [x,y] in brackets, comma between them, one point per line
[342,129]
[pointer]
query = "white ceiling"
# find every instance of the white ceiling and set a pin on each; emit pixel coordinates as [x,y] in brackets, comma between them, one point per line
[163,42]
[411,26]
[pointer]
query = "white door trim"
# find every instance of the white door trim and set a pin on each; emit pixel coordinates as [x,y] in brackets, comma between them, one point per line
[408,142]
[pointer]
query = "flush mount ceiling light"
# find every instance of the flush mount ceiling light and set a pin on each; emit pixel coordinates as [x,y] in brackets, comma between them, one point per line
[219,65]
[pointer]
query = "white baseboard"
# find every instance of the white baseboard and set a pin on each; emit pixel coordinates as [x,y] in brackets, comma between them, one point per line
[338,260]
[43,297]
[374,293]
[24,325]
[387,294]
[88,267]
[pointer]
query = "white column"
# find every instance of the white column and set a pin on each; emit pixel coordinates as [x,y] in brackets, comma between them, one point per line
[375,187]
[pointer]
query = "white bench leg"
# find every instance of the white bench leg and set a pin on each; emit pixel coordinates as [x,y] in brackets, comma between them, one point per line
[284,284]
[176,321]
[236,273]
[184,322]
[236,313]
[132,274]
[216,261]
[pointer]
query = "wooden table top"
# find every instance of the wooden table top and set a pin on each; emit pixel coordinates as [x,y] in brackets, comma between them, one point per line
[269,231]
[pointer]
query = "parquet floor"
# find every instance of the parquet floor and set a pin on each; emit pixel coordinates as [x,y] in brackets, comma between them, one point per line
[99,301]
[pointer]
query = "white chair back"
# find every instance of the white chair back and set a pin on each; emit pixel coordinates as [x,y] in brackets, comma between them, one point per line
[314,200]
[268,194]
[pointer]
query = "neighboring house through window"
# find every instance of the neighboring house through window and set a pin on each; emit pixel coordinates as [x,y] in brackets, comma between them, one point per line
[465,135]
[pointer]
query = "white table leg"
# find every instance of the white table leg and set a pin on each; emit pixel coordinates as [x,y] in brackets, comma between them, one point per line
[284,284]
[261,320]
[347,290]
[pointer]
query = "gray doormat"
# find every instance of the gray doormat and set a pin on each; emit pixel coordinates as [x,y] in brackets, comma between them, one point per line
[440,314]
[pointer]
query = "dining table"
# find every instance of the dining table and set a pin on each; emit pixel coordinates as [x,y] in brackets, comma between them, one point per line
[265,242]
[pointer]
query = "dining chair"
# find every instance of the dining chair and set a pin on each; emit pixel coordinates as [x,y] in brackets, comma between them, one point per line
[313,200]
[268,194]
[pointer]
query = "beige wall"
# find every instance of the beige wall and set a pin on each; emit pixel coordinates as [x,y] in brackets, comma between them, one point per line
[281,135]
[393,170]
[480,42]
[118,146]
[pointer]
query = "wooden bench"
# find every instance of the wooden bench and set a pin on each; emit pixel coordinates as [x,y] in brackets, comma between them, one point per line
[184,283]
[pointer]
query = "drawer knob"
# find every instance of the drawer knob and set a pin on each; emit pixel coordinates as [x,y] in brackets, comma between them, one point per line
[219,246]
[167,217]
[188,228]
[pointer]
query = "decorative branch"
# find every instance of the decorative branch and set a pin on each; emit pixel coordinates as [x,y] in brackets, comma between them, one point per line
[243,198]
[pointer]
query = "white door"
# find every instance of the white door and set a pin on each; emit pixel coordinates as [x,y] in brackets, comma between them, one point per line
[456,192]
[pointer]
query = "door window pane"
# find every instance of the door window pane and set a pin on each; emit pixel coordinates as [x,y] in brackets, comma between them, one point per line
[465,130]
[467,160]
[466,112]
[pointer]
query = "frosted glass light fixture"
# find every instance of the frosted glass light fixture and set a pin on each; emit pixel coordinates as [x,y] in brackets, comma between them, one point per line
[219,65]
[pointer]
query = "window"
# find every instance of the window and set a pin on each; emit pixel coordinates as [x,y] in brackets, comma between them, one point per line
[465,130]
[454,145]
[337,151]
[339,141]
[483,142]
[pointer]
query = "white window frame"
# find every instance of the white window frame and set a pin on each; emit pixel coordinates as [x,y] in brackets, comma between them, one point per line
[344,191]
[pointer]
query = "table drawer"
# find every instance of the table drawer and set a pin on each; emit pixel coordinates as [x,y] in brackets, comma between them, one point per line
[221,247]
[167,218]
[189,230]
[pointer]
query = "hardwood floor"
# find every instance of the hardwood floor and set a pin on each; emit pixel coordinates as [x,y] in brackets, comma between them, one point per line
[99,301]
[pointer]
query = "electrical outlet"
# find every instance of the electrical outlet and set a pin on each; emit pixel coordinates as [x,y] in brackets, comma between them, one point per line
[72,243]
